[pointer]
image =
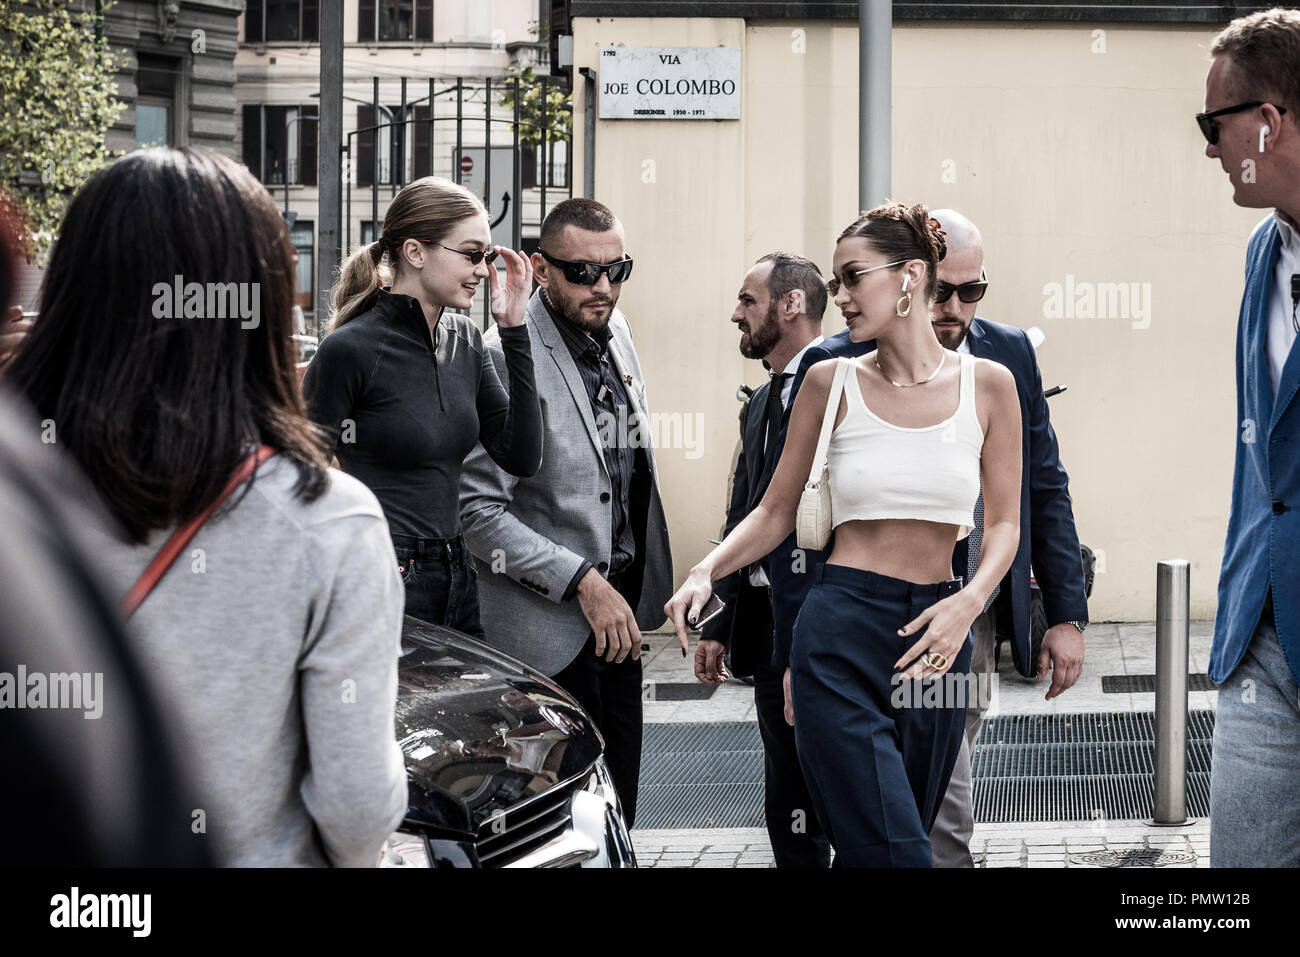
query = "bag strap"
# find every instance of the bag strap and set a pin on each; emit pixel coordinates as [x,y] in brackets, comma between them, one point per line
[828,422]
[183,535]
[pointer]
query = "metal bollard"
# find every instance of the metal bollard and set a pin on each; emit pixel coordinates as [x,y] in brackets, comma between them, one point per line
[1173,590]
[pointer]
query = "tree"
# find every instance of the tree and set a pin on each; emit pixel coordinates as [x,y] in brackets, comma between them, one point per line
[57,100]
[559,109]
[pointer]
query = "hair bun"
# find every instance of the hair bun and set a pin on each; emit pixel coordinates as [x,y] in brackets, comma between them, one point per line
[927,230]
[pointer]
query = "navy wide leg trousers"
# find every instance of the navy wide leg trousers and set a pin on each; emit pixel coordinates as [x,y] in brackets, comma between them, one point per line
[877,753]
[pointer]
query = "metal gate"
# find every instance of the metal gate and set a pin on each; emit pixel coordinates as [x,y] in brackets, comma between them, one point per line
[462,130]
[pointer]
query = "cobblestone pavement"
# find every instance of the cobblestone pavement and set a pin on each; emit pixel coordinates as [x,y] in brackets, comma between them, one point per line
[1057,844]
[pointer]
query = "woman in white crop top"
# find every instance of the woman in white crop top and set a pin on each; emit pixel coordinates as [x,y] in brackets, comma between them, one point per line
[881,646]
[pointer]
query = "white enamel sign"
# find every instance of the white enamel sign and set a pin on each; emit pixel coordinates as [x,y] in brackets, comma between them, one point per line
[669,83]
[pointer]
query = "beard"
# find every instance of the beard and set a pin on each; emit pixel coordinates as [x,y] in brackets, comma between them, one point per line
[756,343]
[952,338]
[572,309]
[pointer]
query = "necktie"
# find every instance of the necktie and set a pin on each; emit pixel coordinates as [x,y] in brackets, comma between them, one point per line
[773,415]
[973,547]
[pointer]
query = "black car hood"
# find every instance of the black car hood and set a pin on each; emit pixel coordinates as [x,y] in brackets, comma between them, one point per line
[481,731]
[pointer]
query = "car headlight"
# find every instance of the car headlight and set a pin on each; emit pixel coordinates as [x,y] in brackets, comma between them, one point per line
[602,783]
[404,849]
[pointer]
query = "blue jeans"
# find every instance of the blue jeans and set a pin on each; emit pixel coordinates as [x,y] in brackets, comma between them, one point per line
[441,582]
[1255,774]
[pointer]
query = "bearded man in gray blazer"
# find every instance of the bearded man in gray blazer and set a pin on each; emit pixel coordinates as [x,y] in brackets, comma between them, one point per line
[573,562]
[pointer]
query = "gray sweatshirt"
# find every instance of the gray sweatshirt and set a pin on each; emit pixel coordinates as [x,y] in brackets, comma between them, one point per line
[276,636]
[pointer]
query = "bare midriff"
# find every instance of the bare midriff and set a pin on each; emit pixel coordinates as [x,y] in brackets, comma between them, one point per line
[911,549]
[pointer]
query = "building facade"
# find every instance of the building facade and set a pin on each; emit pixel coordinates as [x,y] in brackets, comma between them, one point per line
[397,54]
[1065,132]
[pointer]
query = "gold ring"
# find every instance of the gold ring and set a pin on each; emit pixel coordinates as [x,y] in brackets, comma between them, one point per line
[936,660]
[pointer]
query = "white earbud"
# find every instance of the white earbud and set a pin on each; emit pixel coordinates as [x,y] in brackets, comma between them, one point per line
[907,281]
[1263,132]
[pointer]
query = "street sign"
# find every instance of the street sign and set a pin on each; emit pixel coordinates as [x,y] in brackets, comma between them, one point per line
[500,205]
[669,83]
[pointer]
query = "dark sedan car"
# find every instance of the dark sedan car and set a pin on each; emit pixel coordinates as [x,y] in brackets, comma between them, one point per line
[504,767]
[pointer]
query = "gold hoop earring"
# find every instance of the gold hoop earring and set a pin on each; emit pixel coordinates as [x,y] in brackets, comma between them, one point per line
[898,306]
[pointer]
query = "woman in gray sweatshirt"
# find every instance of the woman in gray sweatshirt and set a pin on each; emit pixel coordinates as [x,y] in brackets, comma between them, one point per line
[162,357]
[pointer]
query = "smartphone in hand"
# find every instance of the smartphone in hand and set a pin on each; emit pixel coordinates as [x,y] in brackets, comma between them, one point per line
[712,609]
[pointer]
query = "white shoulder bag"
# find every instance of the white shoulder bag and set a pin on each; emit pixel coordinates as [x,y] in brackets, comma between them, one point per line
[812,524]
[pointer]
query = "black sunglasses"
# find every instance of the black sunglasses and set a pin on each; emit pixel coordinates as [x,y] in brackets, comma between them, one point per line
[475,256]
[1211,129]
[972,291]
[588,274]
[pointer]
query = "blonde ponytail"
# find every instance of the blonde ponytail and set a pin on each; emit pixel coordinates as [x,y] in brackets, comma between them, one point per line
[360,279]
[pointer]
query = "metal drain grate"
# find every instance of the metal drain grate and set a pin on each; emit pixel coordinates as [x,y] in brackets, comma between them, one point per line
[1146,684]
[1078,767]
[1134,857]
[700,775]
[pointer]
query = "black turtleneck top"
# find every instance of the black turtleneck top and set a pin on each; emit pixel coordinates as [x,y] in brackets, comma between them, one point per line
[405,411]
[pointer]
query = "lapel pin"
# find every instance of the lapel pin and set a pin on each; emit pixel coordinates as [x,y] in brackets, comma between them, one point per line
[627,378]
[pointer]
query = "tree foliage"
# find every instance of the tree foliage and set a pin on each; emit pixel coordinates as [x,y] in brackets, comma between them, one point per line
[559,109]
[57,100]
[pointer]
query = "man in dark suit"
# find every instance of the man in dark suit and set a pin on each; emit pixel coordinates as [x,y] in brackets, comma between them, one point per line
[1047,533]
[779,312]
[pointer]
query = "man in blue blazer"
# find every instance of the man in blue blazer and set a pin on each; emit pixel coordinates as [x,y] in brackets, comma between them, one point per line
[1251,109]
[1047,533]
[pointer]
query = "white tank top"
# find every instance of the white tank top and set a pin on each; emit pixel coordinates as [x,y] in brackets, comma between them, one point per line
[879,470]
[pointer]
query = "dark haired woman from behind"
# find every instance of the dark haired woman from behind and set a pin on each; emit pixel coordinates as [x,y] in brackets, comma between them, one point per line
[276,628]
[408,389]
[915,429]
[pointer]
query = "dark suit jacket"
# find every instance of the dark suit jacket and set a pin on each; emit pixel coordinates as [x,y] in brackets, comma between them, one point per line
[745,624]
[1047,535]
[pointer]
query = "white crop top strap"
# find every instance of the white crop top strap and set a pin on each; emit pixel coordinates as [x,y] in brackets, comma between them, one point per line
[879,470]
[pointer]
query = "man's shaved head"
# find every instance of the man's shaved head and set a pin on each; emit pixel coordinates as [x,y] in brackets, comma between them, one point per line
[963,263]
[962,234]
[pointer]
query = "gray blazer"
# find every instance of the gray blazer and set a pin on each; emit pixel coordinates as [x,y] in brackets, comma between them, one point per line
[529,536]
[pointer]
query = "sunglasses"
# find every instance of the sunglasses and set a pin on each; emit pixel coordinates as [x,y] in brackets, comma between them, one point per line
[588,274]
[475,256]
[972,291]
[851,276]
[1211,129]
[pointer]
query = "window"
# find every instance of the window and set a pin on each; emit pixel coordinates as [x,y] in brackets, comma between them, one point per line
[281,141]
[390,139]
[368,234]
[282,20]
[387,20]
[556,167]
[302,235]
[155,81]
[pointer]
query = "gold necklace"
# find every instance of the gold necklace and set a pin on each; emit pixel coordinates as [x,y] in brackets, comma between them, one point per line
[907,385]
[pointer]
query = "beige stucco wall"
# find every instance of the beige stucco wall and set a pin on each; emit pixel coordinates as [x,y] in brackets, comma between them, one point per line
[1073,162]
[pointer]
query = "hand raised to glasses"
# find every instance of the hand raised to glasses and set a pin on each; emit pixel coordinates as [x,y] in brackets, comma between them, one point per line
[509,300]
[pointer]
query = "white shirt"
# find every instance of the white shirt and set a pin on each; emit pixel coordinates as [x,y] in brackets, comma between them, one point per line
[1281,333]
[758,577]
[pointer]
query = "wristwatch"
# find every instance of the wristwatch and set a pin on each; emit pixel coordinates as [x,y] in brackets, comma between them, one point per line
[1081,625]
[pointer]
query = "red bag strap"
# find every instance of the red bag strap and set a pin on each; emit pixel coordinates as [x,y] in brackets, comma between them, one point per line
[183,535]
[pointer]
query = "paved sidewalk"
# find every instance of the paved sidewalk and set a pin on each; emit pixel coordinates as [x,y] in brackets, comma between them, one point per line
[1057,844]
[1119,648]
[1113,648]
